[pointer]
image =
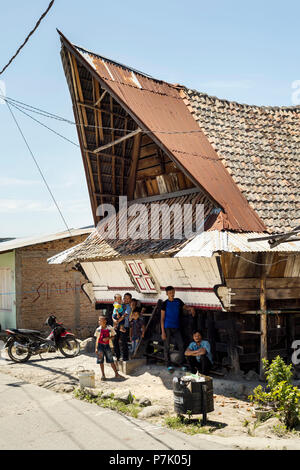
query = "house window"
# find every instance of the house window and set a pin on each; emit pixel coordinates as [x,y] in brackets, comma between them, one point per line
[141,277]
[5,289]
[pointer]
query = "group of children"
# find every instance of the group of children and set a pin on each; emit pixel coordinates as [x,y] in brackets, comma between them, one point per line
[134,326]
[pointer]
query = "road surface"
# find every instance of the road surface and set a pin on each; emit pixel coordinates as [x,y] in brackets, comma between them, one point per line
[32,417]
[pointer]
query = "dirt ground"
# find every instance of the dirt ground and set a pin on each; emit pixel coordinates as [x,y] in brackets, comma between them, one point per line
[232,418]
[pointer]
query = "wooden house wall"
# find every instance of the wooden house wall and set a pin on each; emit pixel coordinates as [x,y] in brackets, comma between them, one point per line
[243,272]
[193,279]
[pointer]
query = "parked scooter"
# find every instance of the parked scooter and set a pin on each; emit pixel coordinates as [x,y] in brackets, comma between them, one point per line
[22,344]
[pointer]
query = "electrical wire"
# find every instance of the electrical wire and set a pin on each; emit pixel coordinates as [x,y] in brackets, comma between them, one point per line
[42,112]
[262,264]
[44,125]
[28,36]
[22,106]
[38,167]
[60,118]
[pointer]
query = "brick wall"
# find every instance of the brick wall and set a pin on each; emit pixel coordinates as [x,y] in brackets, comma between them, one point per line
[44,289]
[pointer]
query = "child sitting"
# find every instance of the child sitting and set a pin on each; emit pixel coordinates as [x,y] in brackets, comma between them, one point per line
[102,348]
[137,330]
[118,315]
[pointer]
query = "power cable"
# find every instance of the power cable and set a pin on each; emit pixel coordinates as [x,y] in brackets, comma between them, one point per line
[60,118]
[44,125]
[21,107]
[38,167]
[28,36]
[42,112]
[262,264]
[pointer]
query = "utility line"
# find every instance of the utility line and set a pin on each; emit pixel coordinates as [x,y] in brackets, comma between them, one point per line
[263,264]
[44,125]
[21,108]
[42,112]
[60,118]
[38,167]
[28,36]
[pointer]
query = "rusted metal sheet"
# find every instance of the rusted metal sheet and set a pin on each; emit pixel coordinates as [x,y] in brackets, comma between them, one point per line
[158,107]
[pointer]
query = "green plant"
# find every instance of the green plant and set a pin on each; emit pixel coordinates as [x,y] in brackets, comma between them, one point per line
[279,393]
[260,397]
[276,372]
[287,401]
[189,413]
[187,425]
[131,398]
[280,430]
[131,409]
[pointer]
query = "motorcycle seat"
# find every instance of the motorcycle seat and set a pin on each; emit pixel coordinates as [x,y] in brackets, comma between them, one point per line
[14,330]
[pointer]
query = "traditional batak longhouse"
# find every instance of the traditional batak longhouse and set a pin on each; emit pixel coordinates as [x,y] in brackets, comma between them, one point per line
[160,143]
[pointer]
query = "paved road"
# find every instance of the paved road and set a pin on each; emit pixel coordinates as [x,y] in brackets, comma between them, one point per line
[32,417]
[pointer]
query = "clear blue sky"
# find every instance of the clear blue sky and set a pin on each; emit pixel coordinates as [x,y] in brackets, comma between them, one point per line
[243,52]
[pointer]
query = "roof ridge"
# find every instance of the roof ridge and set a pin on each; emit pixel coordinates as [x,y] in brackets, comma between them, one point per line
[261,107]
[119,64]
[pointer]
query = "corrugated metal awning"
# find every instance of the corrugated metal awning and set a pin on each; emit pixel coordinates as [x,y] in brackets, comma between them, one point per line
[208,243]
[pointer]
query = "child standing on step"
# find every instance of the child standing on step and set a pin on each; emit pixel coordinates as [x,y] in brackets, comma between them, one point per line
[137,330]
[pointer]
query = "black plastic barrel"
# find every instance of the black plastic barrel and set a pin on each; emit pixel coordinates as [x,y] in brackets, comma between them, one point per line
[193,397]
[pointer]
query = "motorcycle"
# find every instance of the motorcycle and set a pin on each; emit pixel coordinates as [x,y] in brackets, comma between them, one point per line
[22,344]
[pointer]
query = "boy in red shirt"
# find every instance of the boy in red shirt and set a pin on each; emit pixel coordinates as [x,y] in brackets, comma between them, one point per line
[102,348]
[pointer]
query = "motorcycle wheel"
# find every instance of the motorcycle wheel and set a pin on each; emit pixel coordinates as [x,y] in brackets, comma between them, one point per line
[69,347]
[16,355]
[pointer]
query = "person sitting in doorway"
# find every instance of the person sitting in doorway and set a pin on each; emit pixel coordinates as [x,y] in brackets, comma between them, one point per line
[171,313]
[199,355]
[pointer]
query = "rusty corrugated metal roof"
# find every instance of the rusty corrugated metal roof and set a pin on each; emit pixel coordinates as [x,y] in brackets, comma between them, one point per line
[158,107]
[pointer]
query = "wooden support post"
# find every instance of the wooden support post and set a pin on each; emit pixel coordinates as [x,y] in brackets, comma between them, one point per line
[232,345]
[113,158]
[100,98]
[291,333]
[135,157]
[117,141]
[97,128]
[123,159]
[263,320]
[211,332]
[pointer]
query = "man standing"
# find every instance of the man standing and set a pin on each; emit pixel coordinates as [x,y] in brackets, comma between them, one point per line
[123,336]
[171,314]
[199,354]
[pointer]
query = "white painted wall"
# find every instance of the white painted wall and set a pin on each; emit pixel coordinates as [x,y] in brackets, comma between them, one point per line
[189,274]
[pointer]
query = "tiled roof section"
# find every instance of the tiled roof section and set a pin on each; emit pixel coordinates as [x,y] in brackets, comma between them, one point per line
[96,248]
[260,147]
